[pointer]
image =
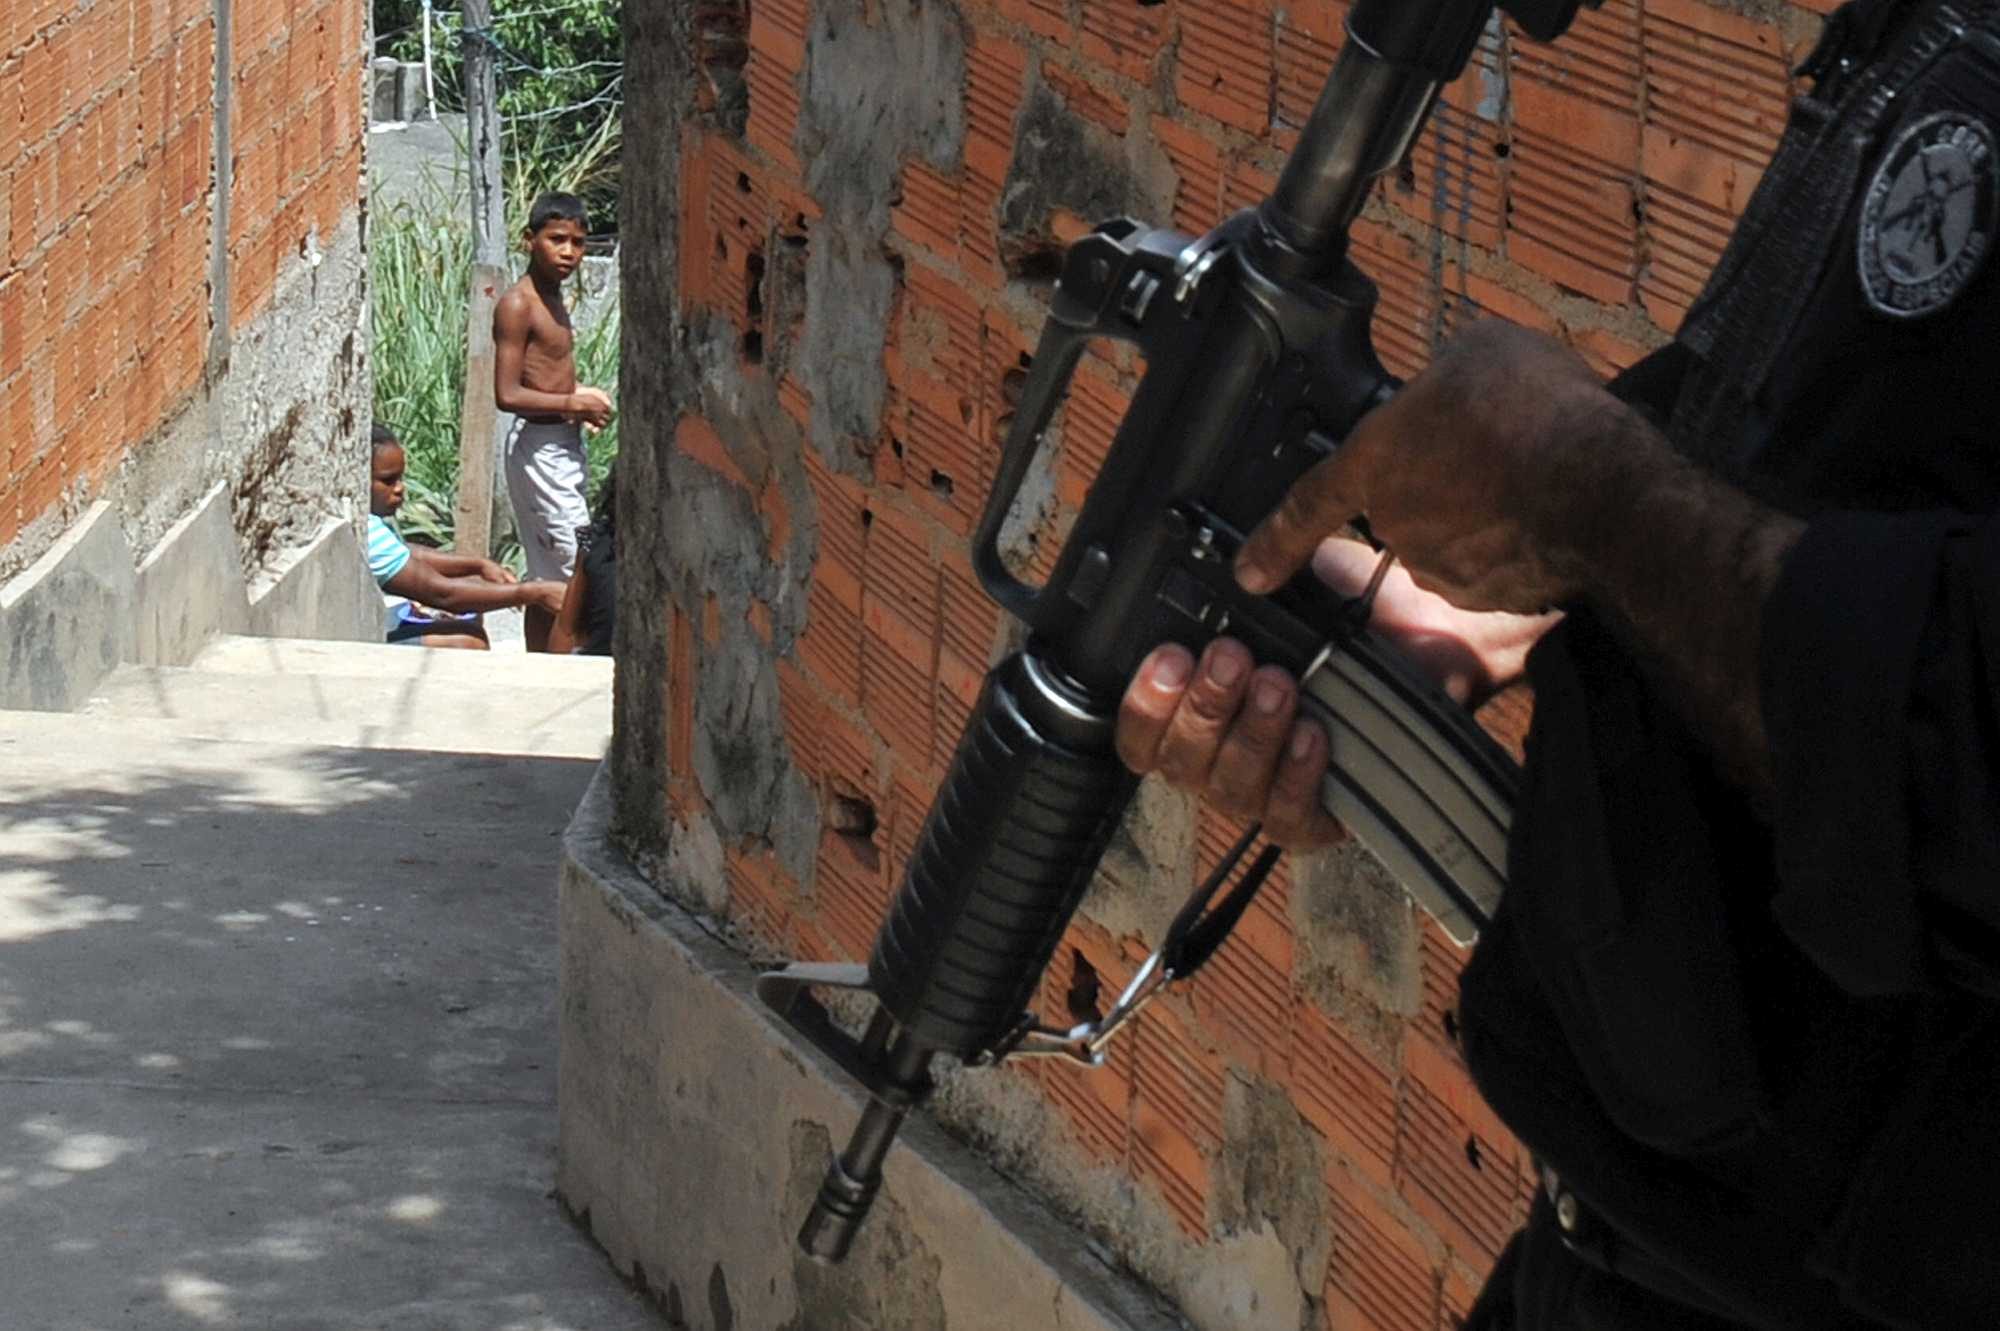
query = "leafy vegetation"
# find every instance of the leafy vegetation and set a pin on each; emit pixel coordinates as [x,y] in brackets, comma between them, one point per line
[562,69]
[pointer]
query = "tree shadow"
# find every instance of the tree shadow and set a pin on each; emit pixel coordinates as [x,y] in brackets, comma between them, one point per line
[277,1043]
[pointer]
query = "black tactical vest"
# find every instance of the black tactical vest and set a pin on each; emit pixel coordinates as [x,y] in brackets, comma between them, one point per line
[1737,1138]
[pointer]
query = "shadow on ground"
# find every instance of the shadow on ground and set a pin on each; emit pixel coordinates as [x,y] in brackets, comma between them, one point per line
[277,1042]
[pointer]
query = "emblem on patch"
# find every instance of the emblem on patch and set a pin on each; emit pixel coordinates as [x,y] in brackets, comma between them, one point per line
[1928,219]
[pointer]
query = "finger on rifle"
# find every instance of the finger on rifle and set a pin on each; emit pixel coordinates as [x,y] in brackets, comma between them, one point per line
[1149,705]
[1293,815]
[1240,781]
[1213,698]
[1317,505]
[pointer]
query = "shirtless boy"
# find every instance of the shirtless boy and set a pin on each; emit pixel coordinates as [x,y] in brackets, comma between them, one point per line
[534,377]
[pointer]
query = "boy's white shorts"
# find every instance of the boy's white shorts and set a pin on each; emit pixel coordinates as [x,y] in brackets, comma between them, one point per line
[546,477]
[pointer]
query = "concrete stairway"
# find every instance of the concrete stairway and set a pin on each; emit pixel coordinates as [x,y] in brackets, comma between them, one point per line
[366,695]
[277,996]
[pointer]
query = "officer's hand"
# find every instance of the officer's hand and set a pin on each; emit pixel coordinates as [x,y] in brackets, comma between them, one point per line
[1471,655]
[1472,474]
[1230,733]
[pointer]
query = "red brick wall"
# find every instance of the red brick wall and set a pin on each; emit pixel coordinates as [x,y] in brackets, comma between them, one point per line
[107,193]
[1583,189]
[297,133]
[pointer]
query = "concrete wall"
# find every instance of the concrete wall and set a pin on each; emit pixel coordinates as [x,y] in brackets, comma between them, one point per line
[182,272]
[840,222]
[691,1146]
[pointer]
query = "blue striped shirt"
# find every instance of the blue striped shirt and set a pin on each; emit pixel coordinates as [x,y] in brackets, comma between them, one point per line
[387,554]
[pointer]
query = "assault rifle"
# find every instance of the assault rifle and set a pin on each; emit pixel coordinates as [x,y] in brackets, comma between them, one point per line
[1258,361]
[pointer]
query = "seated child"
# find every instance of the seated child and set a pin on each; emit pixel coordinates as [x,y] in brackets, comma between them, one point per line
[414,577]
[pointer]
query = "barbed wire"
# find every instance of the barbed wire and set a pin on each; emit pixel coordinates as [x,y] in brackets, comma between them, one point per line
[487,37]
[609,95]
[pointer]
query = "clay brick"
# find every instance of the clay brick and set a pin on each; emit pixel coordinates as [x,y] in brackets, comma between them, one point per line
[850,893]
[802,710]
[901,572]
[830,647]
[1608,354]
[67,270]
[150,28]
[156,91]
[1599,58]
[75,374]
[108,36]
[1046,18]
[69,55]
[21,319]
[946,469]
[1573,219]
[796,400]
[1405,317]
[1465,297]
[958,684]
[995,71]
[1245,185]
[145,396]
[77,168]
[1164,1155]
[1378,1277]
[194,73]
[899,617]
[1308,38]
[41,485]
[1344,1092]
[1686,237]
[995,74]
[32,205]
[1439,961]
[1457,179]
[1178,1088]
[1089,424]
[777,57]
[1715,80]
[1227,63]
[1197,162]
[760,900]
[39,80]
[929,213]
[844,516]
[969,620]
[253,277]
[1086,98]
[116,230]
[1126,37]
[1456,1165]
[1097,1102]
[949,319]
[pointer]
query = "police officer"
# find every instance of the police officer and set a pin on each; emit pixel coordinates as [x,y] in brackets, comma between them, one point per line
[1742,998]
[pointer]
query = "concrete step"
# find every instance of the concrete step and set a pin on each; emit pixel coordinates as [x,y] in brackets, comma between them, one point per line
[438,713]
[239,655]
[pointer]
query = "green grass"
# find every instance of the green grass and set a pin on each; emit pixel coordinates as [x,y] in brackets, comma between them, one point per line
[420,260]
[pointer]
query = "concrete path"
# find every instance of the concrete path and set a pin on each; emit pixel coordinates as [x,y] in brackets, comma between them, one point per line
[277,1018]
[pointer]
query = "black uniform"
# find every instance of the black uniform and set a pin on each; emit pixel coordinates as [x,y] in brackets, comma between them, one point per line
[1759,1056]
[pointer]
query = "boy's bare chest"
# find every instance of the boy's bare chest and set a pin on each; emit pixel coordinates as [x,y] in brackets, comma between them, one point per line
[550,334]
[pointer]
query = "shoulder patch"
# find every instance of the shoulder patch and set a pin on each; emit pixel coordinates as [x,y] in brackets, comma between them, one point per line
[1928,219]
